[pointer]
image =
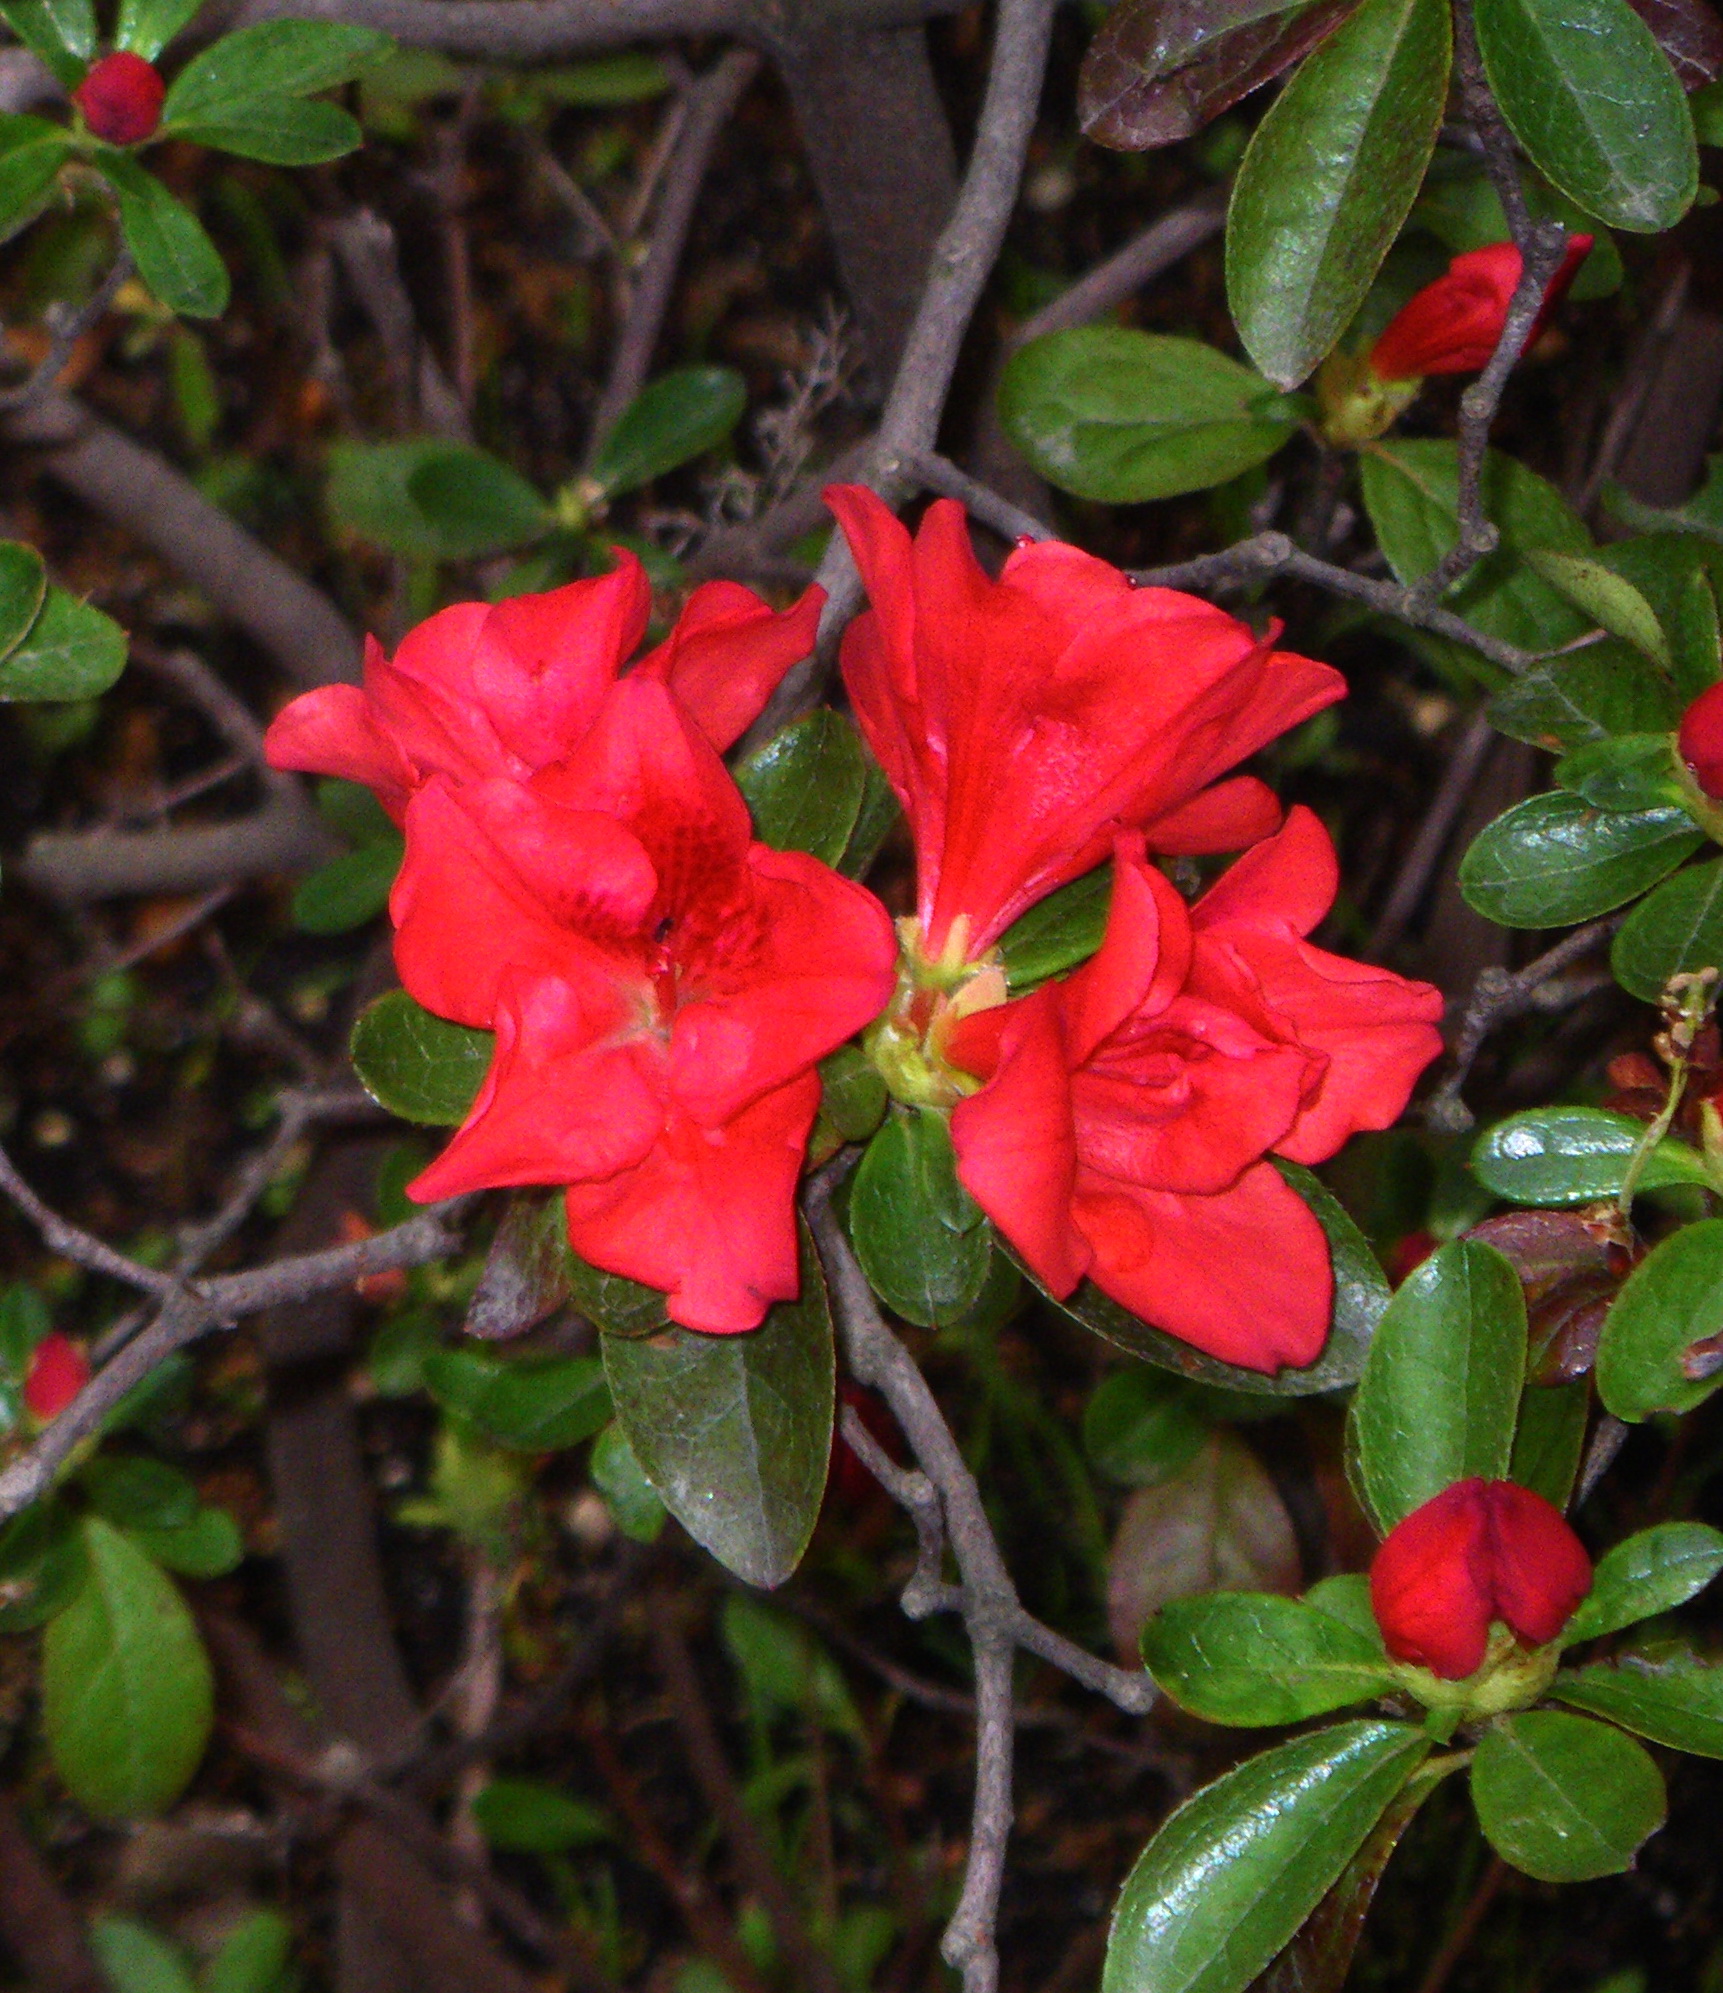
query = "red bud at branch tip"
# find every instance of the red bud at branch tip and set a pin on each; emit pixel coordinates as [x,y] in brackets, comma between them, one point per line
[1480,1551]
[1701,741]
[121,98]
[59,1370]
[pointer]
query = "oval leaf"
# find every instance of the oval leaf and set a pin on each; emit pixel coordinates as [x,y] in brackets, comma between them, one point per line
[1673,931]
[1675,1700]
[349,890]
[280,131]
[1604,690]
[1575,1155]
[1655,1571]
[806,786]
[1659,1350]
[420,1067]
[473,504]
[1564,1799]
[1631,772]
[72,651]
[272,59]
[526,1274]
[533,1404]
[922,1240]
[23,588]
[173,254]
[1059,932]
[1554,860]
[1254,1658]
[678,416]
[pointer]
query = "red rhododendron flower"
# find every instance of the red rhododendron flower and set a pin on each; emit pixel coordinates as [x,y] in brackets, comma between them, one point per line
[1453,325]
[121,98]
[58,1371]
[1127,1112]
[1480,1551]
[1701,741]
[661,987]
[480,691]
[1023,722]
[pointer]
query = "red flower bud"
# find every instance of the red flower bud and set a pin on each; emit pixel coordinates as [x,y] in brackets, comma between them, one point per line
[59,1370]
[1480,1551]
[1701,741]
[121,98]
[1452,325]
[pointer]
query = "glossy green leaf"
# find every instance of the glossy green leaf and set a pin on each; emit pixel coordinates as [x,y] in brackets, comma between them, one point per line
[1346,1597]
[32,151]
[1612,602]
[1554,860]
[1234,1872]
[878,817]
[72,651]
[1253,1658]
[531,1404]
[1604,690]
[1360,1295]
[208,1545]
[370,494]
[527,1270]
[1330,174]
[1631,772]
[474,504]
[852,1093]
[1565,1799]
[255,1957]
[1113,414]
[127,1695]
[1674,572]
[420,1067]
[524,1817]
[1550,1439]
[349,890]
[1058,932]
[679,416]
[147,26]
[1586,90]
[279,131]
[1674,1699]
[131,1491]
[1655,1571]
[1574,1155]
[1411,492]
[735,1431]
[61,32]
[621,1481]
[1673,931]
[922,1240]
[135,1959]
[1141,1425]
[1661,1348]
[806,786]
[42,1566]
[23,590]
[1440,1394]
[271,60]
[620,1307]
[173,254]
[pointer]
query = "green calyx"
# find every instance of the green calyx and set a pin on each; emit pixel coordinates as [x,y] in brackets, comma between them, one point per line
[906,1043]
[1512,1677]
[1356,405]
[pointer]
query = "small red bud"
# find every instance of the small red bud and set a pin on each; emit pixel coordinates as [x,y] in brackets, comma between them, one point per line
[59,1370]
[121,98]
[1480,1551]
[1701,741]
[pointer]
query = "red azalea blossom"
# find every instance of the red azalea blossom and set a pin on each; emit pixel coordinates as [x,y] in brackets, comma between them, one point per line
[1024,722]
[482,691]
[661,988]
[121,98]
[1128,1111]
[1480,1551]
[1453,325]
[58,1371]
[1701,741]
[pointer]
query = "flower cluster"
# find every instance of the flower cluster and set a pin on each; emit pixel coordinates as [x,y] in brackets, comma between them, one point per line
[580,879]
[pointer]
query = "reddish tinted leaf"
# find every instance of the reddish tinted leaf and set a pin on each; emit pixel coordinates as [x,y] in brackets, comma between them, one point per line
[1159,70]
[1690,34]
[1571,1264]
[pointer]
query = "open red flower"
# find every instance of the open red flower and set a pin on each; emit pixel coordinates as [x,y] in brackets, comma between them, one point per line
[481,691]
[1127,1113]
[1453,325]
[1479,1552]
[58,1371]
[1701,741]
[1023,722]
[661,988]
[121,98]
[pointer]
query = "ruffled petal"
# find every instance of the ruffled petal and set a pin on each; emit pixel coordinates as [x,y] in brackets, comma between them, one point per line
[335,731]
[728,651]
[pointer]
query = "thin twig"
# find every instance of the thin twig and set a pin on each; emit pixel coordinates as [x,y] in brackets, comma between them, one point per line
[942,475]
[66,336]
[82,1248]
[1147,256]
[1420,862]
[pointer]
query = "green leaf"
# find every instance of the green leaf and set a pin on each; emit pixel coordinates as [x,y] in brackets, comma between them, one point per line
[531,1404]
[1612,602]
[349,890]
[922,1240]
[680,415]
[1655,1571]
[524,1817]
[1329,176]
[420,1067]
[42,1566]
[280,131]
[806,786]
[1234,1872]
[1142,1425]
[1575,1155]
[876,820]
[1676,573]
[527,1270]
[1550,1438]
[24,1321]
[1058,932]
[632,77]
[173,254]
[32,151]
[147,26]
[126,1690]
[1565,1799]
[735,1431]
[61,32]
[255,1957]
[135,1960]
[852,1093]
[72,651]
[1253,1658]
[785,1671]
[1586,90]
[1657,1351]
[209,1545]
[23,589]
[474,504]
[1440,1394]
[136,1493]
[1701,514]
[1121,416]
[1604,690]
[271,60]
[620,1307]
[1672,1699]
[1412,494]
[621,1480]
[1346,1597]
[1631,772]
[370,494]
[1673,931]
[1554,860]
[1360,1295]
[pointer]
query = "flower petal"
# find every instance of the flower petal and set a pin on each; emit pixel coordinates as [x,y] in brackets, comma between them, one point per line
[728,651]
